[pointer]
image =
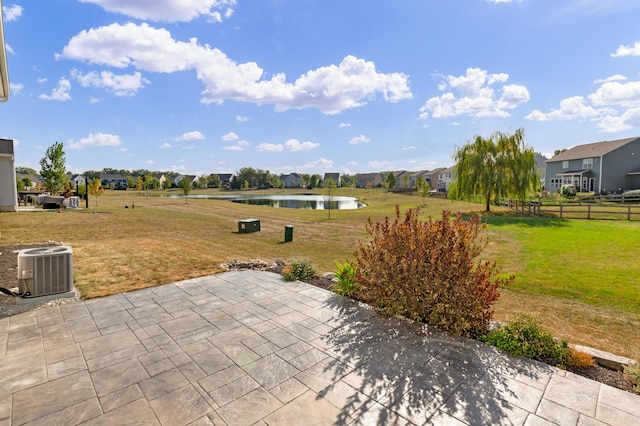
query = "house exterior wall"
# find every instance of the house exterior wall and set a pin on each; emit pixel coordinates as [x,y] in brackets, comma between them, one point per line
[8,189]
[617,164]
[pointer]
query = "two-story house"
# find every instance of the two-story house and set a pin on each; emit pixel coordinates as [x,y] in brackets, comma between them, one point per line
[596,167]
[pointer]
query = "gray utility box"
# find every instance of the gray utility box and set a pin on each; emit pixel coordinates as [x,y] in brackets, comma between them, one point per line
[246,226]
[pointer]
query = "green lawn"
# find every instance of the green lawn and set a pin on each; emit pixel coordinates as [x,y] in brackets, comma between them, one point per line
[595,262]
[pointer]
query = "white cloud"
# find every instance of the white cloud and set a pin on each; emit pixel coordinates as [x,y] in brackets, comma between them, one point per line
[95,140]
[615,77]
[149,162]
[16,88]
[320,164]
[627,50]
[12,12]
[93,100]
[330,89]
[165,146]
[408,148]
[41,80]
[9,49]
[229,137]
[289,145]
[190,136]
[178,168]
[503,1]
[359,139]
[241,118]
[616,93]
[169,10]
[60,93]
[239,146]
[120,85]
[627,120]
[343,125]
[379,165]
[270,147]
[296,145]
[573,108]
[474,94]
[614,106]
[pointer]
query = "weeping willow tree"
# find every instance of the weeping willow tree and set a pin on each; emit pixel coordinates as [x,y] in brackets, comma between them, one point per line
[494,168]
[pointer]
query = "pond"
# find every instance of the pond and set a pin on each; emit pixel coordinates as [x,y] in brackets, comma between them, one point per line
[307,202]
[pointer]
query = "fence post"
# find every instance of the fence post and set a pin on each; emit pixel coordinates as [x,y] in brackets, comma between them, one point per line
[560,209]
[588,211]
[629,212]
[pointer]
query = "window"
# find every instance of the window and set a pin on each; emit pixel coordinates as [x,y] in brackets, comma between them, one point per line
[565,164]
[587,163]
[556,183]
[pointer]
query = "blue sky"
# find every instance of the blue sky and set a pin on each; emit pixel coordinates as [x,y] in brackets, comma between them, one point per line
[313,86]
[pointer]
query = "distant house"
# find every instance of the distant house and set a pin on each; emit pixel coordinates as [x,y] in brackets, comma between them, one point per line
[541,166]
[292,180]
[369,180]
[445,178]
[335,177]
[113,181]
[432,177]
[596,167]
[77,180]
[424,174]
[225,179]
[160,177]
[190,178]
[32,178]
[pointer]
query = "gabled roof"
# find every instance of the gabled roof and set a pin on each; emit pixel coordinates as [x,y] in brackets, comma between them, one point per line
[335,176]
[112,177]
[596,149]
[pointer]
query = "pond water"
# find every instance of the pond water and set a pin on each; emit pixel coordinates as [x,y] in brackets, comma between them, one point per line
[307,202]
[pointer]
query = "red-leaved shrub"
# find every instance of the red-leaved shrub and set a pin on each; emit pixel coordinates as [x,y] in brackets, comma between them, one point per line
[428,271]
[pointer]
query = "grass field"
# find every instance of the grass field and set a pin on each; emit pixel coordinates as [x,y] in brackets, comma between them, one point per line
[578,276]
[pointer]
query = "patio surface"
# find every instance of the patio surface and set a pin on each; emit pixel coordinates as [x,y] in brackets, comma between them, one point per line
[244,348]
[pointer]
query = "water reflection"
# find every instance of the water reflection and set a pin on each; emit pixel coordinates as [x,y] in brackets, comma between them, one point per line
[306,202]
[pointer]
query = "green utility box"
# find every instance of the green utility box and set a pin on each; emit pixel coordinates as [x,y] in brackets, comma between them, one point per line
[248,225]
[288,233]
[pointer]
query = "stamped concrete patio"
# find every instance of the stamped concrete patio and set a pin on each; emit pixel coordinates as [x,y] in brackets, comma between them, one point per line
[244,348]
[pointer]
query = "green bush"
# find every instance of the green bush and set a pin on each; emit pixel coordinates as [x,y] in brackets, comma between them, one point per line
[525,336]
[428,271]
[568,190]
[633,372]
[299,268]
[346,276]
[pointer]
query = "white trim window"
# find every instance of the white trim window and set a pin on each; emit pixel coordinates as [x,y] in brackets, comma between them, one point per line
[587,163]
[555,183]
[565,165]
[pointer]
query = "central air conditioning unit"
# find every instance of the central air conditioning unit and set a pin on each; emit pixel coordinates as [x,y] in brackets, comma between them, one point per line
[46,270]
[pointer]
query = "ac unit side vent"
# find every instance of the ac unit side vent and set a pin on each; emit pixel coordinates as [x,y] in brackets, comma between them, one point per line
[45,271]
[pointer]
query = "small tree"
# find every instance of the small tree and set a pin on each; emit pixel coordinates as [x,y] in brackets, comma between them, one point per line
[391,181]
[53,172]
[185,185]
[405,182]
[95,188]
[329,193]
[423,188]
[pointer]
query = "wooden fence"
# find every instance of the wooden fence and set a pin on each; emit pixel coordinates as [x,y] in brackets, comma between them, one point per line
[576,210]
